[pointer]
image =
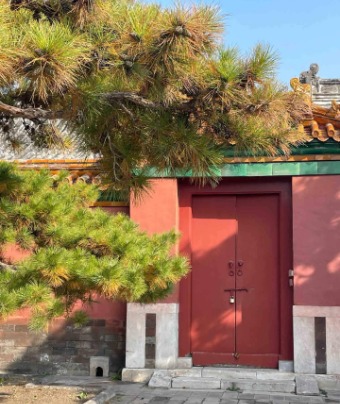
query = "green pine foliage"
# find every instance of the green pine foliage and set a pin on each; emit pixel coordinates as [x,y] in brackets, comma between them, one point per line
[78,252]
[140,85]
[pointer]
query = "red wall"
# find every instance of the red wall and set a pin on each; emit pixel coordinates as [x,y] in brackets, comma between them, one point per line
[157,212]
[105,309]
[316,240]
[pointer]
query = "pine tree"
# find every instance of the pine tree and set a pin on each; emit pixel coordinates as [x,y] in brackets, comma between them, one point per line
[139,85]
[76,252]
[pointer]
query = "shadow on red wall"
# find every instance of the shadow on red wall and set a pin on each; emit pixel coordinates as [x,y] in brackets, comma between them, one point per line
[64,348]
[316,233]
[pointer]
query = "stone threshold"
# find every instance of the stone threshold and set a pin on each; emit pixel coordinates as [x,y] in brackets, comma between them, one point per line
[233,379]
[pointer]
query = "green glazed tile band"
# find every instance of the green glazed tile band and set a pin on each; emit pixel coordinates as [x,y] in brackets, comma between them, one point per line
[261,169]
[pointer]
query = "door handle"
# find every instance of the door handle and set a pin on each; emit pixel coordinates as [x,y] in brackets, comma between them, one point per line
[231,291]
[240,264]
[291,277]
[236,290]
[231,268]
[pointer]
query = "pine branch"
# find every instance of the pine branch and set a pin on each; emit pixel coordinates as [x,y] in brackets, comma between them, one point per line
[127,110]
[50,11]
[132,97]
[29,113]
[136,99]
[119,96]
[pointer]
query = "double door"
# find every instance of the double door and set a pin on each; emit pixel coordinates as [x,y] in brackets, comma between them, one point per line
[236,285]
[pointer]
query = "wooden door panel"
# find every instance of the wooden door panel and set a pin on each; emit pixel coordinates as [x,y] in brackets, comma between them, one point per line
[213,246]
[258,214]
[257,261]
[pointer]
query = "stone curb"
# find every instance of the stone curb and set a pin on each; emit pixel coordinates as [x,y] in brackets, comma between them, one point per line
[102,397]
[57,387]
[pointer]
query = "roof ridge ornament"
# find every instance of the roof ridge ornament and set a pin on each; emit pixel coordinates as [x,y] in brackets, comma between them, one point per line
[303,89]
[335,109]
[310,76]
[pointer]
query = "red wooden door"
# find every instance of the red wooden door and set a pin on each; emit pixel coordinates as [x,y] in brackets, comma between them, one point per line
[235,280]
[214,239]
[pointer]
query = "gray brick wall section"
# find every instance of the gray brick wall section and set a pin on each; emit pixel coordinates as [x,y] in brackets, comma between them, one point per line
[64,349]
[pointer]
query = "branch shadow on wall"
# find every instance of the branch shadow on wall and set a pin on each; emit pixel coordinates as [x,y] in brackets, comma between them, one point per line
[64,349]
[316,233]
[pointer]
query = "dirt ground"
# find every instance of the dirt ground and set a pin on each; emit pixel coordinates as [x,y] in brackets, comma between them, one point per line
[42,395]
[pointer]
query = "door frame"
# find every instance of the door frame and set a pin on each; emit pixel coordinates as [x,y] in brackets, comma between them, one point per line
[282,186]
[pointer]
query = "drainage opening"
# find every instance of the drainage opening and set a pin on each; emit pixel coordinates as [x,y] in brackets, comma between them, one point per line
[99,372]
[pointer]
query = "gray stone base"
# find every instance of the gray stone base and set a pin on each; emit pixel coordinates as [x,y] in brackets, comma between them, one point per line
[165,349]
[305,353]
[165,337]
[286,366]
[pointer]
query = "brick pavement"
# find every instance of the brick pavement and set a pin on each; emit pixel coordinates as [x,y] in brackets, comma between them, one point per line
[134,393]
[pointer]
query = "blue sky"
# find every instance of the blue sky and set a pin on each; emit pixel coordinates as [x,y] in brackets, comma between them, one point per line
[301,31]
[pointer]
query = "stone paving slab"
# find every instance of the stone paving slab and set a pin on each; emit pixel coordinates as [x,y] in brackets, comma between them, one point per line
[284,386]
[268,375]
[139,393]
[226,373]
[137,375]
[170,396]
[196,383]
[249,374]
[159,379]
[306,385]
